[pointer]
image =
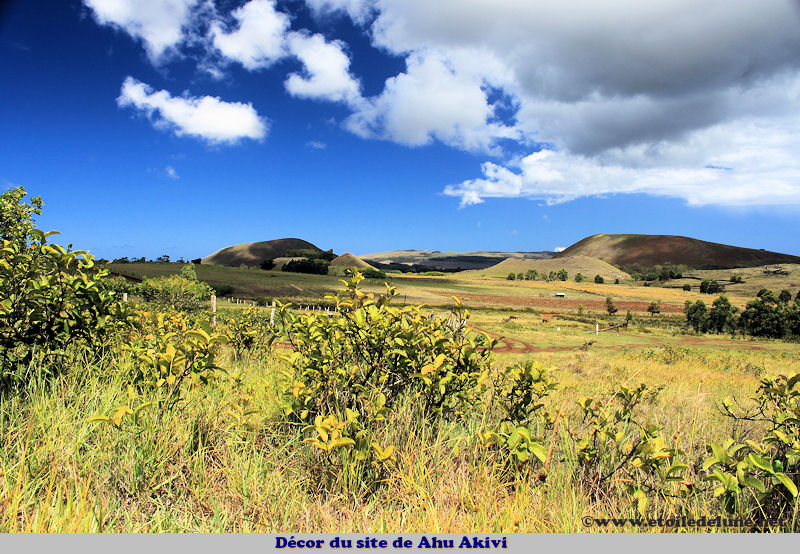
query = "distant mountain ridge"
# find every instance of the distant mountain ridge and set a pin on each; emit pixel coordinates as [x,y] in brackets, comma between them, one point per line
[651,250]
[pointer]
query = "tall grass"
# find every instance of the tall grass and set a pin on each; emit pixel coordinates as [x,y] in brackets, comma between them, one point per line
[197,471]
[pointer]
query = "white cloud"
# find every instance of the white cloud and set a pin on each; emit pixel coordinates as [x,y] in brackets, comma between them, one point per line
[742,163]
[431,100]
[159,24]
[171,173]
[326,70]
[205,117]
[559,248]
[358,10]
[258,40]
[316,145]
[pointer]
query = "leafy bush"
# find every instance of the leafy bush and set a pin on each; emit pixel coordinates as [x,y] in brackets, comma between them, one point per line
[51,299]
[599,279]
[175,291]
[350,372]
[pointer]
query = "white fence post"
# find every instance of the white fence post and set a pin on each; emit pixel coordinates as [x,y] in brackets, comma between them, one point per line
[124,296]
[596,328]
[272,315]
[213,310]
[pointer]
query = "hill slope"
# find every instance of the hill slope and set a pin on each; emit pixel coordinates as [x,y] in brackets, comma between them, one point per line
[346,261]
[651,250]
[253,253]
[589,267]
[448,261]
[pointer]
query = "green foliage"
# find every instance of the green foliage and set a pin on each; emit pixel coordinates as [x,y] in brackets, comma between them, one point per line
[511,276]
[765,470]
[310,253]
[610,307]
[599,279]
[687,287]
[16,216]
[696,315]
[654,308]
[119,284]
[268,264]
[316,267]
[188,272]
[50,300]
[371,273]
[531,275]
[248,330]
[352,370]
[711,287]
[562,274]
[579,278]
[722,316]
[176,292]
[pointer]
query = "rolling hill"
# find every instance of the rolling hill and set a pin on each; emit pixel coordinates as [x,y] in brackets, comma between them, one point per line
[651,250]
[447,261]
[589,267]
[253,253]
[346,261]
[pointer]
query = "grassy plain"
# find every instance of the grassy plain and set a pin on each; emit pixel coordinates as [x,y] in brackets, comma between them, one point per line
[199,471]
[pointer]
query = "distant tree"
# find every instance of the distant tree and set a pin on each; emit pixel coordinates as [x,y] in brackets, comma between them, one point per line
[599,279]
[722,315]
[562,274]
[164,258]
[520,276]
[704,286]
[318,267]
[511,276]
[197,261]
[715,288]
[610,307]
[785,296]
[616,281]
[268,264]
[579,278]
[736,279]
[629,317]
[372,273]
[762,292]
[531,275]
[581,310]
[188,272]
[687,287]
[766,295]
[654,308]
[763,318]
[696,315]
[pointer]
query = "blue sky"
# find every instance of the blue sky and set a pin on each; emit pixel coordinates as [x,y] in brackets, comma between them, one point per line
[364,125]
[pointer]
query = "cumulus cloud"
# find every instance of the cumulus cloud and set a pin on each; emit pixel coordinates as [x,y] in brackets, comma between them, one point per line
[559,248]
[316,145]
[358,10]
[171,173]
[205,117]
[626,97]
[258,38]
[159,24]
[431,100]
[326,66]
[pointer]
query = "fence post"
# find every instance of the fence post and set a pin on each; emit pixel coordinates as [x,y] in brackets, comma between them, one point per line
[124,296]
[596,328]
[213,310]
[272,315]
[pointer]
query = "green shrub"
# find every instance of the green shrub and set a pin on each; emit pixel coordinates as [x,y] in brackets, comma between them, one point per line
[175,291]
[316,267]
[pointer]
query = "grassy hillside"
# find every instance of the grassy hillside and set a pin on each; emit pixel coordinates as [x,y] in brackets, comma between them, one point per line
[589,267]
[346,261]
[253,253]
[651,250]
[450,260]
